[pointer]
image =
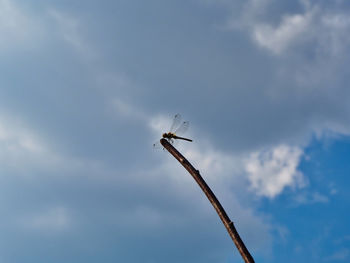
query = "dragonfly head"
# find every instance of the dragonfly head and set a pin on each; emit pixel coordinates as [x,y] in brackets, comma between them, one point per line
[164,135]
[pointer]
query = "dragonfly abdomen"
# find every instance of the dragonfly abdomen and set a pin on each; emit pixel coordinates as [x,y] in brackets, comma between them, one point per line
[182,138]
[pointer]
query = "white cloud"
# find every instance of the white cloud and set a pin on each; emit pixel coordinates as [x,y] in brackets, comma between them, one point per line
[290,30]
[311,198]
[217,165]
[273,170]
[269,172]
[316,25]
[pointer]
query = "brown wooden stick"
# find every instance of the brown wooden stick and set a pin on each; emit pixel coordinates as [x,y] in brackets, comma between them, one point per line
[213,200]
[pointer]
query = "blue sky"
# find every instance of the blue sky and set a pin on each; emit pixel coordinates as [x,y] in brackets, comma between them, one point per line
[86,88]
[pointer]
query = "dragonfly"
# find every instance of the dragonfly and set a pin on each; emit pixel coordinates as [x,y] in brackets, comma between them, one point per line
[177,128]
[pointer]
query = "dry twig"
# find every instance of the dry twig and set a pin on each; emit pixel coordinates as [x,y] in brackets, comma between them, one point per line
[213,200]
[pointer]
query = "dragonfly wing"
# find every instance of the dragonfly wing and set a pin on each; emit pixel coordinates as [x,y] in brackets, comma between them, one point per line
[176,123]
[173,142]
[157,145]
[183,128]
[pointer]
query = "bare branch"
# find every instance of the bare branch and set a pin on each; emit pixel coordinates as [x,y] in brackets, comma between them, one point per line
[213,200]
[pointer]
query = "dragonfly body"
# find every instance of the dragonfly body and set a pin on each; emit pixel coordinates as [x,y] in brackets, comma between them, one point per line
[171,135]
[177,127]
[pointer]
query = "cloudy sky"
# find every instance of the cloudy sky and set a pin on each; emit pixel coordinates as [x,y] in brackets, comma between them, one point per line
[86,88]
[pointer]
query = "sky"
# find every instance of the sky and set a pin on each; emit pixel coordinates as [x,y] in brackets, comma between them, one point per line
[86,88]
